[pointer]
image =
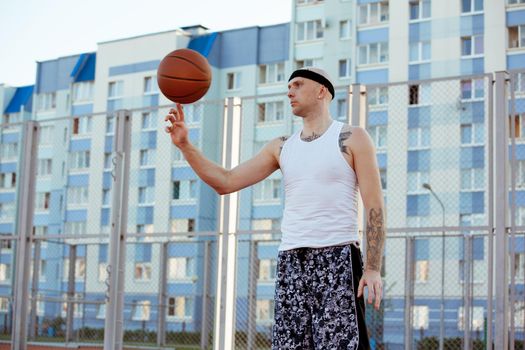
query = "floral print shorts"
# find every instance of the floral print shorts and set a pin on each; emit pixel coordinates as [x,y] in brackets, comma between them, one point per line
[316,304]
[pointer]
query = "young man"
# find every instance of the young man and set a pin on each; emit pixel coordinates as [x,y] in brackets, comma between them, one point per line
[319,301]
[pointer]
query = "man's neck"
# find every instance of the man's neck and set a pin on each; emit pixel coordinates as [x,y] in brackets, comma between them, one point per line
[315,125]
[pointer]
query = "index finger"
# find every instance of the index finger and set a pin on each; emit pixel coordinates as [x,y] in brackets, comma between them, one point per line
[180,112]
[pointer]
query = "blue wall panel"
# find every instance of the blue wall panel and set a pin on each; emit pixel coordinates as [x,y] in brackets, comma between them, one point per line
[55,75]
[377,118]
[183,173]
[267,211]
[419,117]
[515,18]
[183,211]
[376,76]
[134,67]
[238,47]
[274,43]
[76,215]
[372,36]
[144,215]
[80,145]
[420,31]
[79,110]
[80,180]
[516,61]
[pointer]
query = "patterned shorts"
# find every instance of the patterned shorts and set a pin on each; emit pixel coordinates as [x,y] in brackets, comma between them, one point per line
[316,304]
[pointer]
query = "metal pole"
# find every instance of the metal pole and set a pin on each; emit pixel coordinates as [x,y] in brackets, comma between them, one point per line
[205,297]
[71,292]
[24,224]
[409,290]
[467,251]
[442,306]
[253,275]
[113,334]
[33,326]
[161,319]
[501,207]
[490,233]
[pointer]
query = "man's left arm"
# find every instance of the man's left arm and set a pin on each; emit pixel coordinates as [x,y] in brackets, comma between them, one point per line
[367,171]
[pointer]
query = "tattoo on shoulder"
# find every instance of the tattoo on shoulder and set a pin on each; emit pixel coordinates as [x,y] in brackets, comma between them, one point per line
[375,238]
[310,138]
[283,140]
[343,136]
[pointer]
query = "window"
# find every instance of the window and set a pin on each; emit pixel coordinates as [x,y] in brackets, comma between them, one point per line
[472,179]
[101,312]
[184,190]
[83,92]
[266,225]
[419,9]
[46,102]
[373,53]
[141,311]
[519,82]
[271,73]
[46,135]
[512,2]
[7,180]
[8,151]
[142,271]
[75,228]
[418,138]
[5,244]
[147,157]
[79,160]
[77,307]
[180,307]
[472,89]
[477,318]
[81,126]
[267,270]
[520,174]
[149,120]
[471,45]
[182,225]
[377,96]
[271,112]
[5,272]
[519,266]
[7,211]
[310,62]
[233,81]
[106,197]
[382,174]
[310,30]
[11,118]
[421,271]
[194,113]
[304,2]
[472,134]
[150,85]
[420,317]
[419,94]
[110,125]
[378,135]
[344,68]
[265,310]
[519,126]
[80,269]
[415,181]
[146,195]
[4,304]
[267,190]
[44,167]
[42,200]
[102,271]
[77,196]
[373,13]
[115,89]
[468,6]
[108,161]
[342,109]
[345,28]
[516,36]
[181,268]
[519,313]
[419,51]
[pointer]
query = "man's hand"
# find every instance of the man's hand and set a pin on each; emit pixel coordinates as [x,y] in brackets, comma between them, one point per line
[178,130]
[372,279]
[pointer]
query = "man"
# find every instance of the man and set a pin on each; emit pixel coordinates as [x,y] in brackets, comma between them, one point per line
[319,266]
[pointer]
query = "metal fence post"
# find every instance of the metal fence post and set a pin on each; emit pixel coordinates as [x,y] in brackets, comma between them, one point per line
[500,212]
[33,325]
[409,290]
[71,292]
[113,334]
[226,286]
[467,279]
[23,229]
[205,297]
[161,318]
[490,233]
[253,274]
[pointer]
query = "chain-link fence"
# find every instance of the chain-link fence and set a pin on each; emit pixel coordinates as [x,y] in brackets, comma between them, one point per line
[434,151]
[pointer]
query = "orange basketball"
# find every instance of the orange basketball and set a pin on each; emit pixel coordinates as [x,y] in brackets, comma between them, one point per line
[184,76]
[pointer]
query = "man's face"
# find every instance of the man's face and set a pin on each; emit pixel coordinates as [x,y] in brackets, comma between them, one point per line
[303,94]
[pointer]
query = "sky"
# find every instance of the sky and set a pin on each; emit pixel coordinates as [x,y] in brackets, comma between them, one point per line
[40,30]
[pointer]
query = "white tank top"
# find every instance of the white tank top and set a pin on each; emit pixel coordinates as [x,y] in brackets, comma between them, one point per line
[320,207]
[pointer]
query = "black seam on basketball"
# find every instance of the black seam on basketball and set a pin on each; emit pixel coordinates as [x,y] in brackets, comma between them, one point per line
[190,61]
[181,78]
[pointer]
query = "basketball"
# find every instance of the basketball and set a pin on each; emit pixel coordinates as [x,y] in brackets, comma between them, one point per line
[184,76]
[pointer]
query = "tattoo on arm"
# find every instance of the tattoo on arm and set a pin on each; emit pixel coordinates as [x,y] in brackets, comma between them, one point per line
[343,136]
[283,140]
[375,239]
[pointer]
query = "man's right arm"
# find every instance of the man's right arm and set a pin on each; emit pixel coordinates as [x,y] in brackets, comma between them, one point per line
[223,181]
